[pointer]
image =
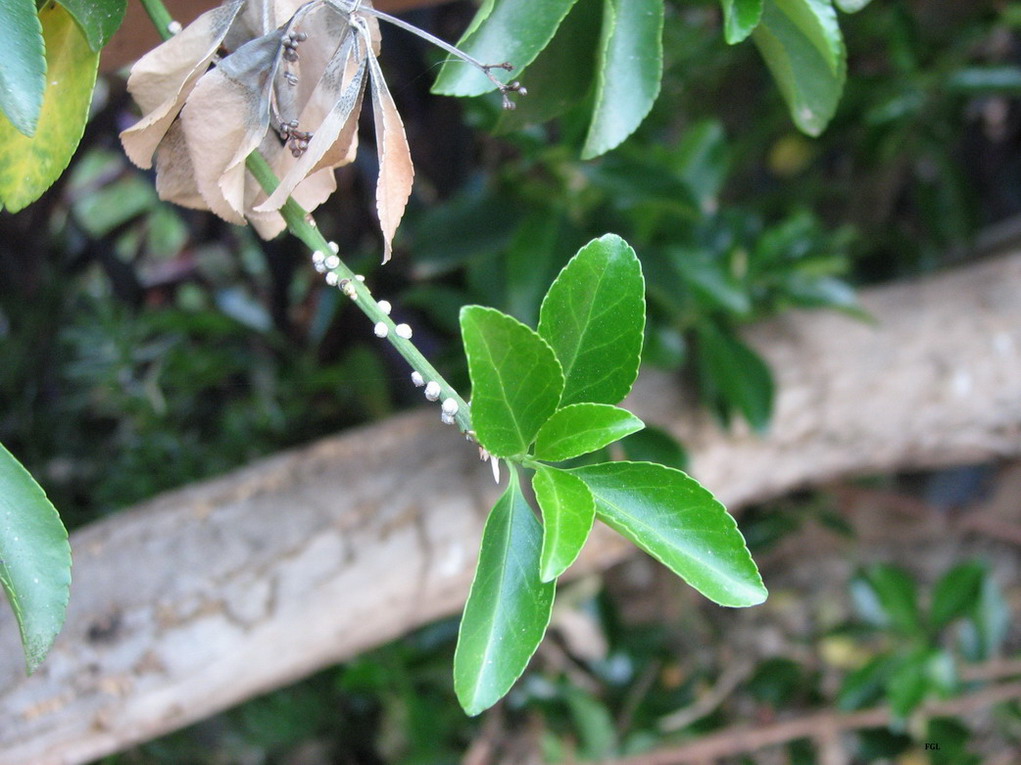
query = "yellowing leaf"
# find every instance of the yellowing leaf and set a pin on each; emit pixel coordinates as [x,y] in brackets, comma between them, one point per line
[29,166]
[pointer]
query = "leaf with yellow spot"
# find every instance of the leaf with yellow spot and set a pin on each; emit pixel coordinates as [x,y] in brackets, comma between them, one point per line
[29,166]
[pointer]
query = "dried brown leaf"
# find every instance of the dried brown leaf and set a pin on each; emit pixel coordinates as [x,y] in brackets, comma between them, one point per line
[175,176]
[332,142]
[396,171]
[162,79]
[225,119]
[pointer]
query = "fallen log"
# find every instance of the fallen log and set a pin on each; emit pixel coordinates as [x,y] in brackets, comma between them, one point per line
[206,596]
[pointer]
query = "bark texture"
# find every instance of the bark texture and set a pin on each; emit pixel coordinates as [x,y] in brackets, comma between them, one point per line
[206,596]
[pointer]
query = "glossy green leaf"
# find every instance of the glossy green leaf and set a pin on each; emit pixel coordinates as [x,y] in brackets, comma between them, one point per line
[677,521]
[886,596]
[582,428]
[508,607]
[732,375]
[628,72]
[568,512]
[851,6]
[561,74]
[23,74]
[29,166]
[803,48]
[740,17]
[956,593]
[35,559]
[512,31]
[516,380]
[98,19]
[594,318]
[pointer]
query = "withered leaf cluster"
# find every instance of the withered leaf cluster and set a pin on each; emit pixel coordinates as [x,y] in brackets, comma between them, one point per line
[284,77]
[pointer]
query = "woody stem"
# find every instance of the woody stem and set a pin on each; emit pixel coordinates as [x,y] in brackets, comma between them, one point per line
[301,224]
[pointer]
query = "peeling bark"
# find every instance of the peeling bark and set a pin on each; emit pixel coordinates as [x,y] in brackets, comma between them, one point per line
[206,596]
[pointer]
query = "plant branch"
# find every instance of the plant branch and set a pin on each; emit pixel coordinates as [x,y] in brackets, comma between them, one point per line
[301,224]
[740,739]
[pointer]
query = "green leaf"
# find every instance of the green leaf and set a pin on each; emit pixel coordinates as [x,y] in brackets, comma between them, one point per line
[561,74]
[733,375]
[582,428]
[803,48]
[886,596]
[23,74]
[740,17]
[35,559]
[956,593]
[987,627]
[909,684]
[594,318]
[655,445]
[98,19]
[851,6]
[508,607]
[512,31]
[628,72]
[677,521]
[29,166]
[568,512]
[516,380]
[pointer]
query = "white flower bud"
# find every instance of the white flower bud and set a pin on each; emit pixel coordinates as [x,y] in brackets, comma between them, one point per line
[332,278]
[381,329]
[432,391]
[332,261]
[385,307]
[334,246]
[416,378]
[403,330]
[449,406]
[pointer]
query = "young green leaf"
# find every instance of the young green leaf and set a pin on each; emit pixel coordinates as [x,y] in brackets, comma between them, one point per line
[803,48]
[677,521]
[22,76]
[740,17]
[508,607]
[568,511]
[516,379]
[956,593]
[99,19]
[35,559]
[512,31]
[29,166]
[594,318]
[582,428]
[629,71]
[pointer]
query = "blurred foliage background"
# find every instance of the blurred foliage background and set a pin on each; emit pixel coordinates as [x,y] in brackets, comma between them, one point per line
[146,346]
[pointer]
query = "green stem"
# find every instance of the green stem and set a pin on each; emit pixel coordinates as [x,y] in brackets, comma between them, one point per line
[301,224]
[160,17]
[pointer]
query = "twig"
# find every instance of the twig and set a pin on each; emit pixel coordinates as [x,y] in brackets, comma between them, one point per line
[741,738]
